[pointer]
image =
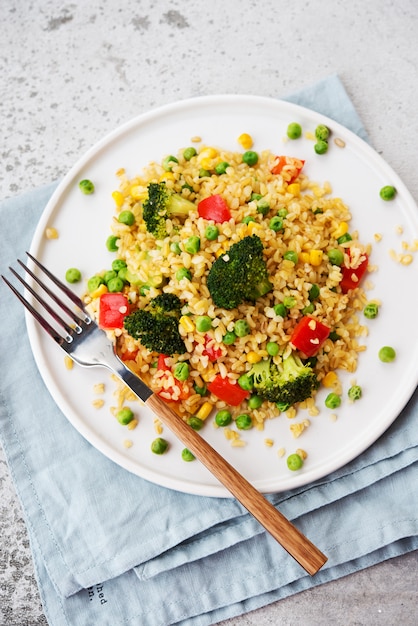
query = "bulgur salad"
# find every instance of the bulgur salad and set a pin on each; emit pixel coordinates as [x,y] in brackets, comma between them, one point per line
[236,285]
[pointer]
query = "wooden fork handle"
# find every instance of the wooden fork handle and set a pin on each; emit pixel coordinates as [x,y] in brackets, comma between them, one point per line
[289,537]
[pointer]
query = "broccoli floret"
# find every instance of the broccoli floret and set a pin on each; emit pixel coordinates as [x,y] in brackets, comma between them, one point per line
[157,326]
[160,204]
[291,382]
[240,274]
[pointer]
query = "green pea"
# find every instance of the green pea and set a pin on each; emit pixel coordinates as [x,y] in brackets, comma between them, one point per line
[195,422]
[201,391]
[280,309]
[294,130]
[159,445]
[187,456]
[334,336]
[321,147]
[294,462]
[282,212]
[250,157]
[189,153]
[124,416]
[289,302]
[247,219]
[86,186]
[244,421]
[188,187]
[118,264]
[322,132]
[109,275]
[126,217]
[175,247]
[204,173]
[221,168]
[223,418]
[314,292]
[387,354]
[229,338]
[143,290]
[276,224]
[272,348]
[73,275]
[181,371]
[211,232]
[183,272]
[354,392]
[255,402]
[255,196]
[292,256]
[168,162]
[192,244]
[241,328]
[123,273]
[112,243]
[336,257]
[203,323]
[245,381]
[307,310]
[387,192]
[333,401]
[344,238]
[94,283]
[371,310]
[263,206]
[115,284]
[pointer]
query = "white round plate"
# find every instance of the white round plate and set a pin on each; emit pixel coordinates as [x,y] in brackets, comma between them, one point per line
[356,173]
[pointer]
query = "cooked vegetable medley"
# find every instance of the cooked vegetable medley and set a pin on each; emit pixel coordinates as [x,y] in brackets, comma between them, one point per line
[235,286]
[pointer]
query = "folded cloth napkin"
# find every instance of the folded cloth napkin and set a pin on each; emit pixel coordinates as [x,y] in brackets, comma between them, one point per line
[110,548]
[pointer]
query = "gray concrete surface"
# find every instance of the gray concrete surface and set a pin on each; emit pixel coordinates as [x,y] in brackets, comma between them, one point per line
[71,72]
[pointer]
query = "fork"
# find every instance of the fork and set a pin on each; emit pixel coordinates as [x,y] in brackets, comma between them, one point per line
[83,340]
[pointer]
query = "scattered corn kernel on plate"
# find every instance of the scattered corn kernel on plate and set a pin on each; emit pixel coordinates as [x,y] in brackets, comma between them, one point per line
[324,436]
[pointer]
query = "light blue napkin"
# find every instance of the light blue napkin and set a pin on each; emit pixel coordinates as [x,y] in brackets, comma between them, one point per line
[112,549]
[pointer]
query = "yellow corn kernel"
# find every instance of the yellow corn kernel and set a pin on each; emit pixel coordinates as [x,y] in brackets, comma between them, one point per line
[205,410]
[315,257]
[167,176]
[68,362]
[118,198]
[294,189]
[252,227]
[341,230]
[137,192]
[304,257]
[246,141]
[51,233]
[207,153]
[253,357]
[330,379]
[219,252]
[187,324]
[99,291]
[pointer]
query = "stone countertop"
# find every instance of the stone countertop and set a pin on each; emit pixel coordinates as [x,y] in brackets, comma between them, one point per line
[72,72]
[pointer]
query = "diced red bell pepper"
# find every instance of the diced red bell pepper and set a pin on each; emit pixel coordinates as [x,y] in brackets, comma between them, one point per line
[162,363]
[129,355]
[309,335]
[113,308]
[227,391]
[351,276]
[210,350]
[288,167]
[214,208]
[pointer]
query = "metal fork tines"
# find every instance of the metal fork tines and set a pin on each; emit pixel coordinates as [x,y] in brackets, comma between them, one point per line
[74,322]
